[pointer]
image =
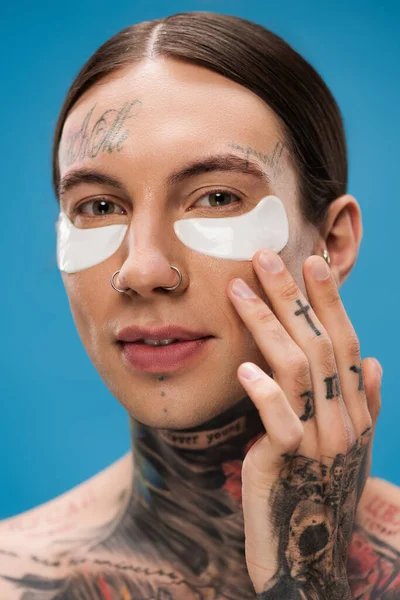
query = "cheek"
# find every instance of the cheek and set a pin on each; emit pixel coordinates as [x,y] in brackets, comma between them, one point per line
[87,298]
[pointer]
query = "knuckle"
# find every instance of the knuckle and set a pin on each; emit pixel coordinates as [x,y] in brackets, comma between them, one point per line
[352,345]
[289,291]
[324,348]
[298,365]
[292,438]
[265,316]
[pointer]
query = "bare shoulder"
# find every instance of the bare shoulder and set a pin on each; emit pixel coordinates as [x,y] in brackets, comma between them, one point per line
[379,510]
[38,544]
[91,501]
[374,558]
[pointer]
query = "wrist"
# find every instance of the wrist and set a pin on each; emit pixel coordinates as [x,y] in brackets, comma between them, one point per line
[287,589]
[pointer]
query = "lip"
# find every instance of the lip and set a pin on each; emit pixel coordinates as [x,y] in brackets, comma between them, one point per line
[133,334]
[163,358]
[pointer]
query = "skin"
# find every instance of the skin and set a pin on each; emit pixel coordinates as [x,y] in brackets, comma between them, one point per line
[184,487]
[169,125]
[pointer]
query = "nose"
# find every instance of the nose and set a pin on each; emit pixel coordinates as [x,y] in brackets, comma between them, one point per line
[148,249]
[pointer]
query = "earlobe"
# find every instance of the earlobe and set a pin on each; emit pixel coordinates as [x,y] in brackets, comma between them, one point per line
[342,233]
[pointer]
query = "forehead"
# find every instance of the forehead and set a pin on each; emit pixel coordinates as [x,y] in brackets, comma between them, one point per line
[165,107]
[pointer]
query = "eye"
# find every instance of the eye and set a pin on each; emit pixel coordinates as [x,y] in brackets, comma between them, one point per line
[101,207]
[217,198]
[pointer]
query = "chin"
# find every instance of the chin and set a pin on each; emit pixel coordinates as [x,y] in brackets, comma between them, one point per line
[180,413]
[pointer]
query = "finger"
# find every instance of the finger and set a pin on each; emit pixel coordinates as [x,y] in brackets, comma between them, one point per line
[287,361]
[328,306]
[372,381]
[262,467]
[284,430]
[372,374]
[298,318]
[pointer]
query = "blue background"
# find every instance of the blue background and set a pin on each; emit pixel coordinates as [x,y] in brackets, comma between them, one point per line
[59,424]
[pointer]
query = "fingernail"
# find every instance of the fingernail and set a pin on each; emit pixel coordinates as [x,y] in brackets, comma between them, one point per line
[250,371]
[271,262]
[242,290]
[319,269]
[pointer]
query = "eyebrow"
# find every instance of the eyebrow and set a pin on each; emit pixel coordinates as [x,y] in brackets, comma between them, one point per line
[85,175]
[223,162]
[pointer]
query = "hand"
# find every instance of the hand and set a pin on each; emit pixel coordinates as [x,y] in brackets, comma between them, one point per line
[302,480]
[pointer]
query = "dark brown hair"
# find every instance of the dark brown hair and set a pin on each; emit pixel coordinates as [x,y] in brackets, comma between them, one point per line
[259,60]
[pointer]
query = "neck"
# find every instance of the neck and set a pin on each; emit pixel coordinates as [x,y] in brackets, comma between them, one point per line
[199,462]
[187,490]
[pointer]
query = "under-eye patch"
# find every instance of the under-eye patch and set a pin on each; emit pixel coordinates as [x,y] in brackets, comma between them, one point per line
[238,238]
[79,249]
[235,238]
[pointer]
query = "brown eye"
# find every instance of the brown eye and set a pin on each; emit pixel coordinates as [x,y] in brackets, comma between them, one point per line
[100,208]
[218,198]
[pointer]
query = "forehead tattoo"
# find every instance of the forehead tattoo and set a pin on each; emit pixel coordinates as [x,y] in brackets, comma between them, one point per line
[106,134]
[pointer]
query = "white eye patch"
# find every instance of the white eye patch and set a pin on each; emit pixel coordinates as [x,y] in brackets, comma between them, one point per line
[238,238]
[235,238]
[79,249]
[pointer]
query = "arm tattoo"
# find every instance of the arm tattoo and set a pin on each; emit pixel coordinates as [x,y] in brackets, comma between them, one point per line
[373,568]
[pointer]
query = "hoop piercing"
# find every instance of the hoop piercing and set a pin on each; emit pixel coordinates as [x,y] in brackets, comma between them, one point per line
[179,282]
[164,288]
[112,283]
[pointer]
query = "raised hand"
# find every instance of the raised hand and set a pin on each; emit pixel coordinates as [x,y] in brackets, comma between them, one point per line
[302,480]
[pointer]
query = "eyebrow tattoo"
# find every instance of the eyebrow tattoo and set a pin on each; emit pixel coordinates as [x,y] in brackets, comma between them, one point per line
[223,162]
[271,160]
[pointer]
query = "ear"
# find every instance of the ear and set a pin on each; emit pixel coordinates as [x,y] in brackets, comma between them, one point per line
[341,235]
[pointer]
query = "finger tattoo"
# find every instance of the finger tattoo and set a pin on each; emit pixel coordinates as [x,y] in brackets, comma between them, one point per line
[309,406]
[303,310]
[358,370]
[332,386]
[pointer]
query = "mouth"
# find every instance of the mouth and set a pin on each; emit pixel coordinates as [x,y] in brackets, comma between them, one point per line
[154,355]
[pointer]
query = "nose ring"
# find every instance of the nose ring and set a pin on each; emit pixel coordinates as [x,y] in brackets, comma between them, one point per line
[112,283]
[179,282]
[173,287]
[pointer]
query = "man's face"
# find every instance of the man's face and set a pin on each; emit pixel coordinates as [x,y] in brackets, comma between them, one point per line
[139,126]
